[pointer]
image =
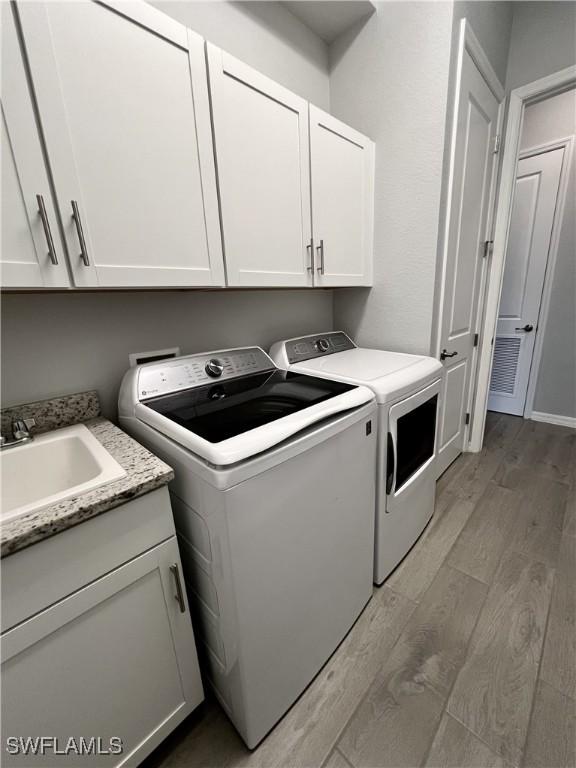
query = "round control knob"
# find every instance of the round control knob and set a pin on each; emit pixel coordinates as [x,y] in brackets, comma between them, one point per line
[214,368]
[322,345]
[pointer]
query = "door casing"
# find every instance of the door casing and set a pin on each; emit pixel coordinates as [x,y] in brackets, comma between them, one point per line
[519,98]
[468,44]
[536,317]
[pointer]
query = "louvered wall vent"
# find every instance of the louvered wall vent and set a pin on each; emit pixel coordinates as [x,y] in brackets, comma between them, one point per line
[506,354]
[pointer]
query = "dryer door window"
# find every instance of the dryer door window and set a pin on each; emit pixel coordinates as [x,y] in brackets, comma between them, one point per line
[411,437]
[415,439]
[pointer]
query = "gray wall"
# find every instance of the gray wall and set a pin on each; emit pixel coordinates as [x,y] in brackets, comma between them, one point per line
[389,79]
[556,386]
[543,40]
[54,344]
[61,343]
[392,77]
[492,25]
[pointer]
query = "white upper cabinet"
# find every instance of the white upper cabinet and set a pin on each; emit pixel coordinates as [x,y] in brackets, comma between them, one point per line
[342,168]
[288,172]
[123,102]
[110,168]
[31,254]
[262,151]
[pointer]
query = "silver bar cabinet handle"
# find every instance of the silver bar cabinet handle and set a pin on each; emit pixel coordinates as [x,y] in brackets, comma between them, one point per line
[80,231]
[320,249]
[310,250]
[47,232]
[179,594]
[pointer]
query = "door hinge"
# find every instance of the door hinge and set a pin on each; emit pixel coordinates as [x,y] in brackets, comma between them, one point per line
[496,143]
[476,337]
[467,421]
[487,247]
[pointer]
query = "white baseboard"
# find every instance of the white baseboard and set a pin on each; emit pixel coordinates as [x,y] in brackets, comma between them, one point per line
[552,418]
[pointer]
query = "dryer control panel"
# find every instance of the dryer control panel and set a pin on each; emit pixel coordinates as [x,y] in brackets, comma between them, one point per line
[309,347]
[180,373]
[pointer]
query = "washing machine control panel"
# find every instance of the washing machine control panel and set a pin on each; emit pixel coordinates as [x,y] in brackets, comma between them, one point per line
[308,347]
[180,373]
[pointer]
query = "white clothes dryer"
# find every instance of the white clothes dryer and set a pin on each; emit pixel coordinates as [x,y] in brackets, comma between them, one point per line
[407,390]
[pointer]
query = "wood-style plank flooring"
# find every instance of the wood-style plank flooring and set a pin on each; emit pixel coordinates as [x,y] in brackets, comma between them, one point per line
[466,657]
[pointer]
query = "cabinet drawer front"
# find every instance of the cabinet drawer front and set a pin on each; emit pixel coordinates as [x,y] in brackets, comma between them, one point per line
[123,100]
[38,576]
[113,660]
[261,132]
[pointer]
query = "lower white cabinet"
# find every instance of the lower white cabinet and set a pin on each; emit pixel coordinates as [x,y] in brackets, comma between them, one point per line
[113,663]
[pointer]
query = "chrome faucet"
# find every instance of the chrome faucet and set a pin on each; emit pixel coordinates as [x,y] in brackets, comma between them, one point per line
[20,433]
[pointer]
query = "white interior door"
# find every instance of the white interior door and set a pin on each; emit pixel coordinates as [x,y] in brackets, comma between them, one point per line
[473,168]
[31,254]
[531,221]
[263,157]
[342,169]
[123,101]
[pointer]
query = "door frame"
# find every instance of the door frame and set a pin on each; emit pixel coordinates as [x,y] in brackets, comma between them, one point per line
[567,144]
[468,42]
[519,99]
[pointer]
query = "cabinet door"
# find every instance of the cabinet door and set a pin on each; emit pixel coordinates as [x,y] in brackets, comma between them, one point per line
[342,163]
[115,659]
[123,102]
[262,150]
[31,255]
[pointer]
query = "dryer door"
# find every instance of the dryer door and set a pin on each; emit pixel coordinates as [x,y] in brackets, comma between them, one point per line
[410,474]
[411,438]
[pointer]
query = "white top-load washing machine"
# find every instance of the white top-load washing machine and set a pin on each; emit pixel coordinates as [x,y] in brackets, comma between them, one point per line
[273,499]
[407,389]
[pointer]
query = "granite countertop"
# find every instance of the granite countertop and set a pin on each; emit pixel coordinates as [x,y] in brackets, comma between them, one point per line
[144,473]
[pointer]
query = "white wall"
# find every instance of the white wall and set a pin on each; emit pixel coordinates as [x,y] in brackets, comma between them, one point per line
[543,40]
[392,78]
[389,79]
[54,344]
[556,386]
[62,343]
[491,22]
[266,36]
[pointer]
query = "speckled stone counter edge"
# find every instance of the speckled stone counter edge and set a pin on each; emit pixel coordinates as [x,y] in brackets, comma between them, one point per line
[54,413]
[144,472]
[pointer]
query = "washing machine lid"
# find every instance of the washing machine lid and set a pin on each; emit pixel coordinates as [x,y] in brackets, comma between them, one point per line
[248,407]
[334,355]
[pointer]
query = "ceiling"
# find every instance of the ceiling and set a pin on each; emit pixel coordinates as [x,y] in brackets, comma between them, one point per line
[329,18]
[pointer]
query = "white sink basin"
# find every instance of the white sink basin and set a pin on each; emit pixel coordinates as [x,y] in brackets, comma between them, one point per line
[53,467]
